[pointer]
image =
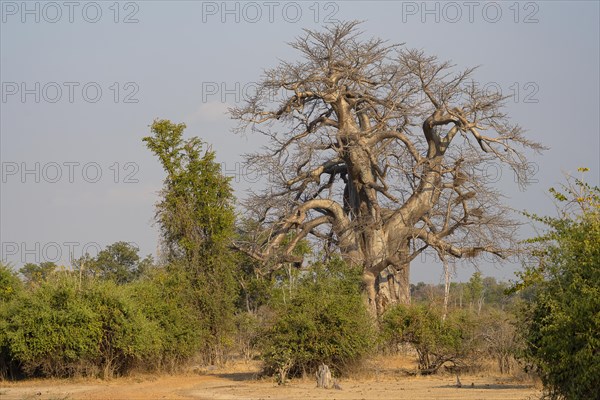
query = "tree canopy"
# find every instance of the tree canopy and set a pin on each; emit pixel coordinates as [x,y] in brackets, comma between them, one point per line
[378,151]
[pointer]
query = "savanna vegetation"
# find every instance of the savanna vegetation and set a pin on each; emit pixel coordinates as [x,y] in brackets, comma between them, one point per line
[302,279]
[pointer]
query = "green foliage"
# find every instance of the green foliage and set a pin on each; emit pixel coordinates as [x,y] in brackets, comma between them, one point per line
[10,285]
[128,337]
[322,319]
[495,293]
[50,331]
[196,217]
[165,298]
[118,262]
[196,211]
[475,287]
[254,288]
[36,273]
[69,327]
[560,324]
[436,341]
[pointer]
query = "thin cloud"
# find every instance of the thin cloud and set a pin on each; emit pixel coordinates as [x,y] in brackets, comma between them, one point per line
[210,112]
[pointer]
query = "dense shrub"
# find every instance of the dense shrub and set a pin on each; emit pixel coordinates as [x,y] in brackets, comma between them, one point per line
[51,331]
[560,323]
[128,337]
[67,327]
[166,299]
[435,340]
[319,318]
[10,287]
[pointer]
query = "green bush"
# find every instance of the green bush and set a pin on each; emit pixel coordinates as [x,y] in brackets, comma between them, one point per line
[67,327]
[319,318]
[436,341]
[51,331]
[129,338]
[10,287]
[166,299]
[561,322]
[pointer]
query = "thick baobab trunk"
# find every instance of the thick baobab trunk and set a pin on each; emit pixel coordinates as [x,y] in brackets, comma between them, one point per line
[383,287]
[393,287]
[388,288]
[369,282]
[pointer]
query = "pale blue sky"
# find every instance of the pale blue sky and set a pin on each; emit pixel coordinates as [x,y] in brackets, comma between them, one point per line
[177,52]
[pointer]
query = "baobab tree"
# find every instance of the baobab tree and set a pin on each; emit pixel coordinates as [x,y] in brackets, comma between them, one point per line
[379,152]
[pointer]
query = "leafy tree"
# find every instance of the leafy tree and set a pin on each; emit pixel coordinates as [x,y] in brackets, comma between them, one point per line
[498,294]
[118,262]
[475,291]
[377,151]
[36,273]
[560,323]
[196,218]
[196,212]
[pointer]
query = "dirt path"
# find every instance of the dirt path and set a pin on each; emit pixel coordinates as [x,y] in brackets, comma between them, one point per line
[239,382]
[237,387]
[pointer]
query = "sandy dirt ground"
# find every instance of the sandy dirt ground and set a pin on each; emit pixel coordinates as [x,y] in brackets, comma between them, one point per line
[239,382]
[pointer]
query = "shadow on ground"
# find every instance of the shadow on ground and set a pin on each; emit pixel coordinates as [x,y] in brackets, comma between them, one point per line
[497,386]
[238,376]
